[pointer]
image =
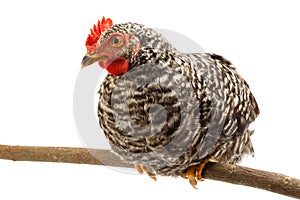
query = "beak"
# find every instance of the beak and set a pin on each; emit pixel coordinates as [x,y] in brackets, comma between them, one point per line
[89,59]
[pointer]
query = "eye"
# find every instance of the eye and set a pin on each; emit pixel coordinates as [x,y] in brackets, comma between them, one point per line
[116,41]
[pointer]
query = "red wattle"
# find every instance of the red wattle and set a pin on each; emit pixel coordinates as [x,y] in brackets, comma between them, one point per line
[118,66]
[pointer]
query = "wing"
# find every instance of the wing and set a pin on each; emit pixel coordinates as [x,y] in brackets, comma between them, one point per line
[243,106]
[228,107]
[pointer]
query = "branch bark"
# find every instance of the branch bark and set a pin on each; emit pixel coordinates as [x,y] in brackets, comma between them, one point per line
[234,174]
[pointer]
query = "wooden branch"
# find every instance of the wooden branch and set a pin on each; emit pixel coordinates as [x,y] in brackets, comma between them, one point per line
[234,174]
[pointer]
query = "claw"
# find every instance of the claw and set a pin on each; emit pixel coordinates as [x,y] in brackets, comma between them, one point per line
[152,176]
[141,170]
[195,172]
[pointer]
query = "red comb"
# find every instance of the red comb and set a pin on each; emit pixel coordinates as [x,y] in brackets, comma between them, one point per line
[96,32]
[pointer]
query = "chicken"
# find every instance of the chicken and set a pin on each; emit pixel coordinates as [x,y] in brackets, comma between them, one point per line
[167,112]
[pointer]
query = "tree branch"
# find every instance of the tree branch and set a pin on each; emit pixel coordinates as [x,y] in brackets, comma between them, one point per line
[234,174]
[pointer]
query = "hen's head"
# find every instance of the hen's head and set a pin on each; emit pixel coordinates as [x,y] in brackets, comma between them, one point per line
[118,47]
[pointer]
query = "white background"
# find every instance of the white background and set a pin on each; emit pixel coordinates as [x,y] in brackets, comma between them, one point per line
[41,47]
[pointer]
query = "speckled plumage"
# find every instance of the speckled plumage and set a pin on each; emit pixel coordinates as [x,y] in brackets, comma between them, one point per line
[173,110]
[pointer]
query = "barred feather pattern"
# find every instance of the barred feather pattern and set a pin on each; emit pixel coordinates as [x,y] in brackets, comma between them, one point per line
[173,110]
